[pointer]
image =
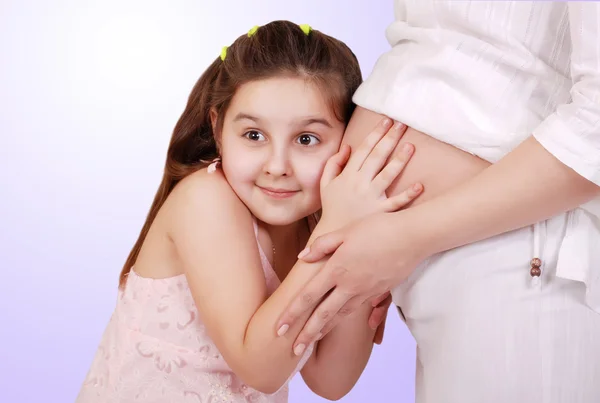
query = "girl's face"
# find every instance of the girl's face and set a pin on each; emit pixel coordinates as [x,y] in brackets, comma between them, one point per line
[277,136]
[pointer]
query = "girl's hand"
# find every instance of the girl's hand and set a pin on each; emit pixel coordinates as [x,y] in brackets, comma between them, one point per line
[379,315]
[353,185]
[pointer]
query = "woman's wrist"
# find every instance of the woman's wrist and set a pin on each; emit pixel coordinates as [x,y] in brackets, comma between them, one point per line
[415,224]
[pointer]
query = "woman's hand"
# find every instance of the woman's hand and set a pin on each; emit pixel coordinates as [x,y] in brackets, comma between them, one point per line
[353,185]
[353,277]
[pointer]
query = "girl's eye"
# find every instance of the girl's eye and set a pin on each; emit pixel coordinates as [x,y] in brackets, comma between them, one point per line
[253,135]
[308,140]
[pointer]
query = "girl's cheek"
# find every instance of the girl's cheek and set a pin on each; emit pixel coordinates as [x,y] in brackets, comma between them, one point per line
[311,177]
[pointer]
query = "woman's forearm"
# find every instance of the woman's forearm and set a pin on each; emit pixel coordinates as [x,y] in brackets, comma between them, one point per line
[527,186]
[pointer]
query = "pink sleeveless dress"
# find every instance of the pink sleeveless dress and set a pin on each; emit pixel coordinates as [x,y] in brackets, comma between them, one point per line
[156,350]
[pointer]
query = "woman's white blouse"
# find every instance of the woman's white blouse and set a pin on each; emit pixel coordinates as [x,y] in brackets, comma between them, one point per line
[485,75]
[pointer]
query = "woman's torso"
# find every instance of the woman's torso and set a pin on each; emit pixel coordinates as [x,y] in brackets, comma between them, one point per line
[477,78]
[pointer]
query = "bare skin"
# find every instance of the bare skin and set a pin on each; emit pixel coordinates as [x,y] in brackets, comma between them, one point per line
[437,165]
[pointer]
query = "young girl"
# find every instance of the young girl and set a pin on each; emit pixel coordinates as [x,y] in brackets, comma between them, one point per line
[216,260]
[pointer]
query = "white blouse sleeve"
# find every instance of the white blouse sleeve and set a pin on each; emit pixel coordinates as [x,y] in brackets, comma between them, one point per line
[572,132]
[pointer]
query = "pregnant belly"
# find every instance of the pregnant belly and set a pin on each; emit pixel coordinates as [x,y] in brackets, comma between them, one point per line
[437,165]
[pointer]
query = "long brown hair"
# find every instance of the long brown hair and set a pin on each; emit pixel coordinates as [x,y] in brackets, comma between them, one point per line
[280,48]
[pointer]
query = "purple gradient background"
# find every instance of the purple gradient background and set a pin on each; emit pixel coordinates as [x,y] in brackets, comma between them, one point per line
[89,94]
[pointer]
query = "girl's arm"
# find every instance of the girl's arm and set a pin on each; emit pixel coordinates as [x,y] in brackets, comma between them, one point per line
[213,234]
[212,231]
[341,356]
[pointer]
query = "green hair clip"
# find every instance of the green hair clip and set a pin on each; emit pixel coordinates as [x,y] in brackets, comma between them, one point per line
[305,28]
[223,53]
[252,31]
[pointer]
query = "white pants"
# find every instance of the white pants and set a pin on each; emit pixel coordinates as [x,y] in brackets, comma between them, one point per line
[485,334]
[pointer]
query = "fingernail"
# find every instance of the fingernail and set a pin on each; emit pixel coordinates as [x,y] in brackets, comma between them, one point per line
[282,330]
[303,253]
[417,187]
[299,349]
[407,149]
[319,336]
[387,122]
[398,126]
